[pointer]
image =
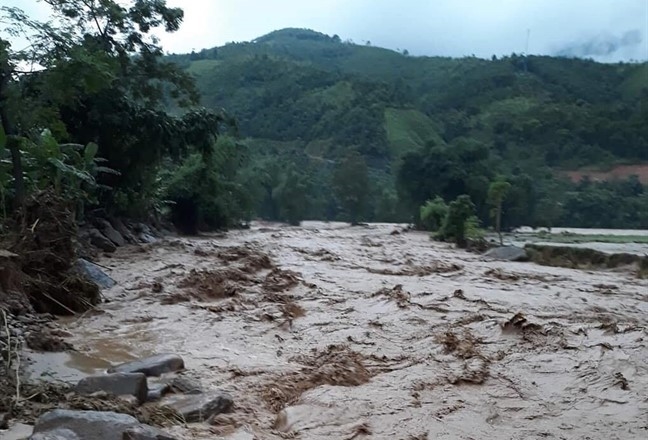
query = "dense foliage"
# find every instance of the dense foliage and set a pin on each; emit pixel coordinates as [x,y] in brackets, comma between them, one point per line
[430,126]
[96,76]
[332,130]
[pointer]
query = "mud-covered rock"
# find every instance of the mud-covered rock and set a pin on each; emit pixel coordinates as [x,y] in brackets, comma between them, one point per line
[151,366]
[145,432]
[118,384]
[508,253]
[157,390]
[144,233]
[86,425]
[146,238]
[101,241]
[56,434]
[123,230]
[200,407]
[110,232]
[186,385]
[93,273]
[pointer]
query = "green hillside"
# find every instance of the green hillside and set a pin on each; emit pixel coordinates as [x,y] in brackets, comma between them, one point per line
[318,98]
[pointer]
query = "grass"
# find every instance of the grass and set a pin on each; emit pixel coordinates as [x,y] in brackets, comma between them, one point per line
[408,130]
[202,67]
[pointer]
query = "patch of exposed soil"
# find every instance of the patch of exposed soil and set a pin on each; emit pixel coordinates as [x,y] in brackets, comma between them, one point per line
[616,173]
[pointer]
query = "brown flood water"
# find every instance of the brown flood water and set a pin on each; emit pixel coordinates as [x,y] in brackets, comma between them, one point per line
[352,333]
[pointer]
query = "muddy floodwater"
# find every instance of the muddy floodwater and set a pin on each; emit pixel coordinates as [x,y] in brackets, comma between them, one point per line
[331,332]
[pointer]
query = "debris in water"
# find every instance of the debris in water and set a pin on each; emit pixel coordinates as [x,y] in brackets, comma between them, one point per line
[337,365]
[520,323]
[462,346]
[622,381]
[397,294]
[501,275]
[279,280]
[420,271]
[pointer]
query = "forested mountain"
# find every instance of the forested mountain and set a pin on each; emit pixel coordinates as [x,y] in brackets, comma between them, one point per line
[430,126]
[300,125]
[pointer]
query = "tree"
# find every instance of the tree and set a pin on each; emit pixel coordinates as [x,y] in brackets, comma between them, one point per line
[98,76]
[44,41]
[351,186]
[433,213]
[497,192]
[291,197]
[460,211]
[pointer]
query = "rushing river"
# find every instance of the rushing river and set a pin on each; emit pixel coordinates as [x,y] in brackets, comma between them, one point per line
[352,333]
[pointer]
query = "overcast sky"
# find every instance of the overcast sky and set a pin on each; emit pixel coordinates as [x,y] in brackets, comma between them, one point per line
[606,30]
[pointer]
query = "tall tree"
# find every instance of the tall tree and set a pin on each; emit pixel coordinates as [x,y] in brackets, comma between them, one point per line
[497,192]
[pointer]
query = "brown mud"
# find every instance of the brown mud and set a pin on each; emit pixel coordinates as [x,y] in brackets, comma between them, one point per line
[331,332]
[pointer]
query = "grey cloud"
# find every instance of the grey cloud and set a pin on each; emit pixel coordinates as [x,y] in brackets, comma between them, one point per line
[605,30]
[601,45]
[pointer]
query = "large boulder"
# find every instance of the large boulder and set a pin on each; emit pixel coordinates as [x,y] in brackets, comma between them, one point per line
[86,425]
[200,407]
[144,233]
[93,273]
[507,253]
[152,366]
[111,233]
[123,230]
[185,385]
[101,241]
[118,384]
[157,390]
